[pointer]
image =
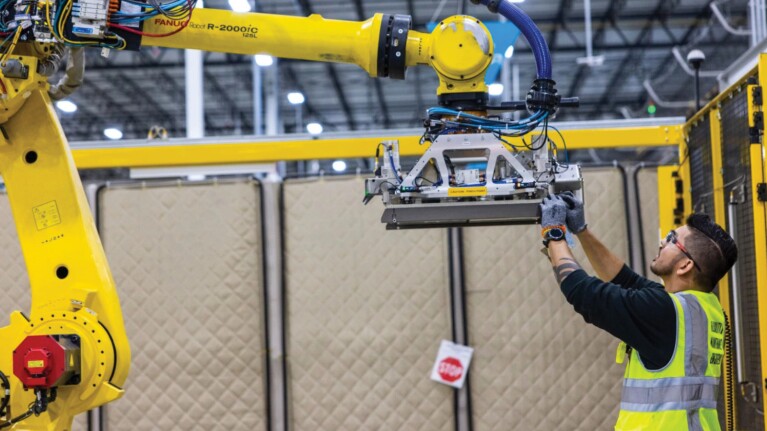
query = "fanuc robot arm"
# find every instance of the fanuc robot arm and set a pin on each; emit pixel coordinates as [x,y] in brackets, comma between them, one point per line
[70,353]
[477,170]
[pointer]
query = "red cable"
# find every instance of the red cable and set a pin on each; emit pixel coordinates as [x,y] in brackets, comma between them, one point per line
[183,26]
[134,31]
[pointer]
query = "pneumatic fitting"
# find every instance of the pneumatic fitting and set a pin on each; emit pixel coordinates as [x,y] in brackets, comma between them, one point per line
[543,97]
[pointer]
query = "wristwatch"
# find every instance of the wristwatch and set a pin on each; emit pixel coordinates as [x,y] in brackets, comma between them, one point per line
[554,233]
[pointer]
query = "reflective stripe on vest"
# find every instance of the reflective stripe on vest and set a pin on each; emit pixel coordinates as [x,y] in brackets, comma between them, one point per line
[696,338]
[693,391]
[680,393]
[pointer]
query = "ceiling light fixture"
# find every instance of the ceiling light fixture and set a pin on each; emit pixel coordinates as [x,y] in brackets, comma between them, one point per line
[339,166]
[314,128]
[296,98]
[264,60]
[113,133]
[66,106]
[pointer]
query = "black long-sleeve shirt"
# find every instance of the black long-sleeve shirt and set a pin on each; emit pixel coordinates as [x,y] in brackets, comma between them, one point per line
[634,309]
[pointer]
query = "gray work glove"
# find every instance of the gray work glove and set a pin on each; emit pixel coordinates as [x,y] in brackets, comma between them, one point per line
[553,211]
[576,216]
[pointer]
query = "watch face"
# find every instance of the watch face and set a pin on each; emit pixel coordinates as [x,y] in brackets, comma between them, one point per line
[556,233]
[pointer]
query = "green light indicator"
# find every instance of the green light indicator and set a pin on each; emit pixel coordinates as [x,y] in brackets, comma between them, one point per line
[651,109]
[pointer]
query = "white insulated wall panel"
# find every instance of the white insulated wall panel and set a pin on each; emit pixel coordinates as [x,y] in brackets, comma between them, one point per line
[14,282]
[188,267]
[366,310]
[13,271]
[537,365]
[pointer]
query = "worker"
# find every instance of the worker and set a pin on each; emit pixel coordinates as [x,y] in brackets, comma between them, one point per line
[672,335]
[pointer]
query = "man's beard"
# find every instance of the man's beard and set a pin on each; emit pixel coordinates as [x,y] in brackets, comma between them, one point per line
[663,270]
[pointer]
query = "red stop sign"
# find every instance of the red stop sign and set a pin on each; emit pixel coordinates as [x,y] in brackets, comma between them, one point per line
[450,369]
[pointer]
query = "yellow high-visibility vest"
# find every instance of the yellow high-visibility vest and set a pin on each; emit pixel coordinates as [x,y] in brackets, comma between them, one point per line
[682,395]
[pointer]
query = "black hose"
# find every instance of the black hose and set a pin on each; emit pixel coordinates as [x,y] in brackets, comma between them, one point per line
[640,228]
[640,222]
[17,419]
[36,408]
[627,210]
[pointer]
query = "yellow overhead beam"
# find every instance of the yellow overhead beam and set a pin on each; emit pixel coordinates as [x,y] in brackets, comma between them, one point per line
[165,154]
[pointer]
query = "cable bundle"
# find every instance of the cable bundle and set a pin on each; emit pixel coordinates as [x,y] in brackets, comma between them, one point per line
[64,15]
[508,128]
[441,123]
[176,10]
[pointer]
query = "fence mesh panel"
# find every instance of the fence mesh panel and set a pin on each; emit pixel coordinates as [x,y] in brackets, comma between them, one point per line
[736,162]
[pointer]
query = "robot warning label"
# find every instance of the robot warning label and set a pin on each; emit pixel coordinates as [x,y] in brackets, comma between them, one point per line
[46,215]
[459,192]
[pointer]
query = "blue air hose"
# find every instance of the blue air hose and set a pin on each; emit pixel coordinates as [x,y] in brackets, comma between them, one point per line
[528,28]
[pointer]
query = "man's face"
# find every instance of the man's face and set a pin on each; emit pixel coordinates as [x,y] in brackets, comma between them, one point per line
[669,254]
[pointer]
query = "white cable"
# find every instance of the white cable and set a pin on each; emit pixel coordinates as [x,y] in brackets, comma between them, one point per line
[759,22]
[589,60]
[587,20]
[752,20]
[762,23]
[723,20]
[72,78]
[758,27]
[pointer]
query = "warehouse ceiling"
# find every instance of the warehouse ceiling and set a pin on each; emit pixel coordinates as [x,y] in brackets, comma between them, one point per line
[134,91]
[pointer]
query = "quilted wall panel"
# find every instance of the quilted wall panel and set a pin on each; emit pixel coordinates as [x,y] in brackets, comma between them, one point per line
[14,280]
[13,272]
[187,263]
[366,310]
[647,180]
[537,365]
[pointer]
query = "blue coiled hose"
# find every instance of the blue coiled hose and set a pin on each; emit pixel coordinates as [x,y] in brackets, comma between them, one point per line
[532,34]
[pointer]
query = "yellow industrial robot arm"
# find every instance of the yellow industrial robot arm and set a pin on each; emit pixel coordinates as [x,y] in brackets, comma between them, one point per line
[70,353]
[72,346]
[460,48]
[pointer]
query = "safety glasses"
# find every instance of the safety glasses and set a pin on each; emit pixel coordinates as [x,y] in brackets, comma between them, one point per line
[672,238]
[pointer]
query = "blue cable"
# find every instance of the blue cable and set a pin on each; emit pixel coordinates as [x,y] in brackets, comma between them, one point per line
[499,126]
[487,123]
[148,11]
[393,167]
